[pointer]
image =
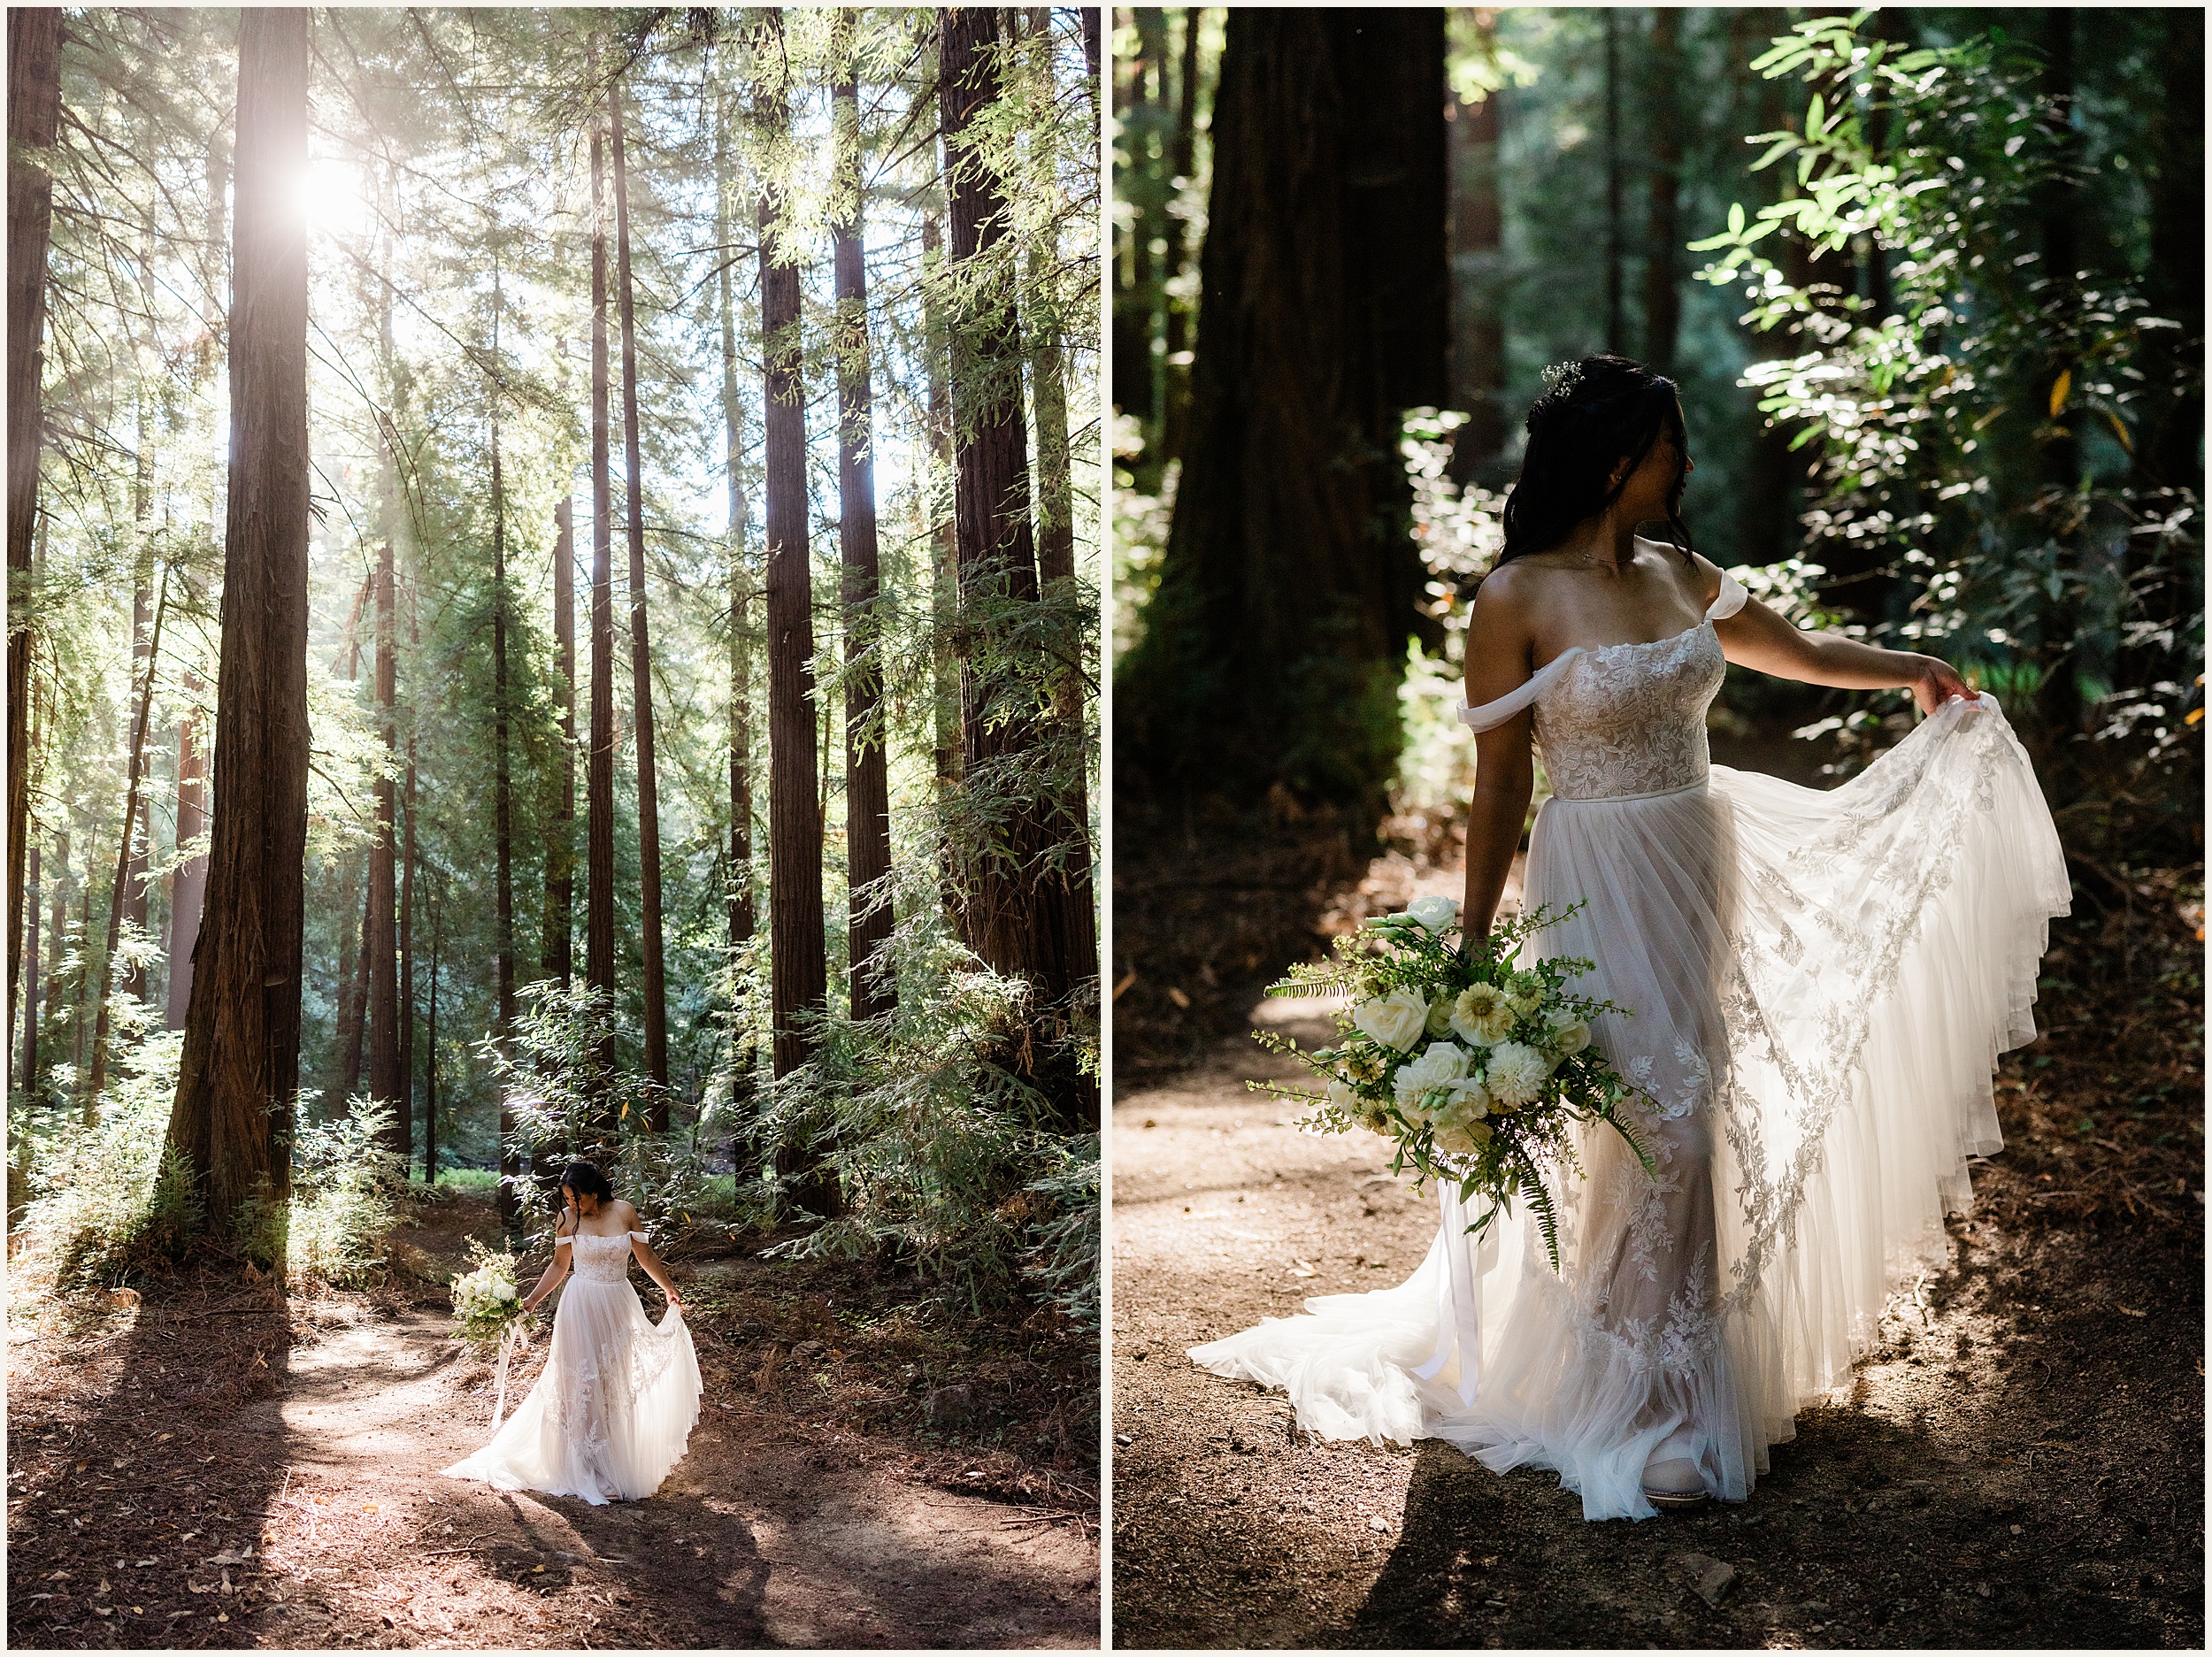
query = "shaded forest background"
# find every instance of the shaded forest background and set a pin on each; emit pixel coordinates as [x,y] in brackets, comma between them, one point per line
[1930,283]
[700,539]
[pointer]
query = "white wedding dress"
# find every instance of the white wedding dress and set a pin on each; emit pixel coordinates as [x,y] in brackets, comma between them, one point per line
[616,1404]
[1821,983]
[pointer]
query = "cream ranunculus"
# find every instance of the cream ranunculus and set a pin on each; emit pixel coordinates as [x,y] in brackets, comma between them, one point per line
[1434,913]
[1456,1141]
[1569,1040]
[1395,1020]
[1516,1074]
[1480,1015]
[1525,994]
[1424,1086]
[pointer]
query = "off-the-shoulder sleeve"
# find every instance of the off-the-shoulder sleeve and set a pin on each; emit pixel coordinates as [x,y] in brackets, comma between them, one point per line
[1732,598]
[1493,714]
[641,1237]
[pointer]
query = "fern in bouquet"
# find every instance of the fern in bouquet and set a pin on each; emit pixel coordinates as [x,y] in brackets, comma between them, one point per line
[1477,1070]
[486,1299]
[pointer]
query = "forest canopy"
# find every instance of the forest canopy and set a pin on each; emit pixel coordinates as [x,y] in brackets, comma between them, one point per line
[700,562]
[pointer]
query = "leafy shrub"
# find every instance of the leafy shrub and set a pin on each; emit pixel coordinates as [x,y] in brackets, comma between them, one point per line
[346,1188]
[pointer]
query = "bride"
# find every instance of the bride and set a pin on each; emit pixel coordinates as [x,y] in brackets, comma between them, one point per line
[619,1395]
[1816,986]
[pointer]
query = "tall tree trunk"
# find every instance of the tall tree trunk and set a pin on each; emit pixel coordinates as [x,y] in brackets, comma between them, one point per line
[560,850]
[1027,906]
[32,892]
[1091,53]
[1182,164]
[2171,454]
[190,887]
[34,120]
[798,971]
[407,883]
[233,1117]
[57,926]
[131,892]
[430,1076]
[1616,322]
[944,587]
[867,787]
[1662,298]
[1136,390]
[502,779]
[599,761]
[742,915]
[1275,645]
[1478,236]
[379,943]
[649,817]
[123,860]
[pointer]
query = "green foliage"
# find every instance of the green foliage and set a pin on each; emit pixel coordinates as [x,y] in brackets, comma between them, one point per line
[1976,445]
[943,1151]
[345,1192]
[107,1202]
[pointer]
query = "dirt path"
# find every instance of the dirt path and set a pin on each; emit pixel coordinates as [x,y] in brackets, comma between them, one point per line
[2020,1463]
[201,1472]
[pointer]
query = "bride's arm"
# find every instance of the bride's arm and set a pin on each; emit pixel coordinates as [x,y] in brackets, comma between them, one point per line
[1497,655]
[654,1266]
[556,1269]
[1756,638]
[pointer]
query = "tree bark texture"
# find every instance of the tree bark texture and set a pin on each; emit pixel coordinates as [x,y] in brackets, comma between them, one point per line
[1275,645]
[1663,132]
[56,927]
[1135,388]
[560,850]
[1026,899]
[32,893]
[648,823]
[944,588]
[125,857]
[34,120]
[1182,164]
[189,886]
[867,785]
[798,971]
[380,938]
[1478,242]
[503,764]
[233,1116]
[741,905]
[407,893]
[131,892]
[599,761]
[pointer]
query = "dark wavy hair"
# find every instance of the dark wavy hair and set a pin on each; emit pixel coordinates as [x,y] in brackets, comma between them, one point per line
[585,1180]
[1599,411]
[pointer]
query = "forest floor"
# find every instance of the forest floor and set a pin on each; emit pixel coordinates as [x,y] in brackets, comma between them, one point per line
[212,1466]
[2019,1462]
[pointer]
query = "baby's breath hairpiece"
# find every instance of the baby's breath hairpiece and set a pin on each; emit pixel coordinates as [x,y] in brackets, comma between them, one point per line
[1560,379]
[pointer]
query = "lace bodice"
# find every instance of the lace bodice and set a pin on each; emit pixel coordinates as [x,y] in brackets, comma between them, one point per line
[603,1259]
[1624,721]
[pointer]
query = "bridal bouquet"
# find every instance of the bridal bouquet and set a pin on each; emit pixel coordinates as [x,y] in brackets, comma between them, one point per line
[486,1301]
[1478,1071]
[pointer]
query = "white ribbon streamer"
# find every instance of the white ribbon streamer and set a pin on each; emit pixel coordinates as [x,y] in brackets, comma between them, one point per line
[513,1340]
[1458,1318]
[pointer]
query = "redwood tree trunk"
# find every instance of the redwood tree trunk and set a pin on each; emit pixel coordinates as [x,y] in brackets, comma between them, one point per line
[599,762]
[33,119]
[30,966]
[742,915]
[1027,905]
[867,788]
[1663,132]
[407,888]
[189,888]
[380,940]
[798,972]
[649,816]
[233,1116]
[1477,235]
[131,892]
[944,587]
[560,850]
[1274,646]
[124,856]
[430,1077]
[502,779]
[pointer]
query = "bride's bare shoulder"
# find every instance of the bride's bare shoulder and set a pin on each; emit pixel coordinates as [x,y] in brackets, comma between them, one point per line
[1505,597]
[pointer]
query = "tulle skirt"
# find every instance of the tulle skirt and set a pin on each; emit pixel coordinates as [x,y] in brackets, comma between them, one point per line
[1814,987]
[611,1412]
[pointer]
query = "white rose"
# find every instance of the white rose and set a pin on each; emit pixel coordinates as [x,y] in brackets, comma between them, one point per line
[1480,1015]
[1569,1040]
[1516,1074]
[1435,913]
[1395,1020]
[1467,1100]
[1343,1096]
[1439,1023]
